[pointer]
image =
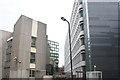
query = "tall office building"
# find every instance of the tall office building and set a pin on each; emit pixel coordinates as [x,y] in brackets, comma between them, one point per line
[27,51]
[94,38]
[54,54]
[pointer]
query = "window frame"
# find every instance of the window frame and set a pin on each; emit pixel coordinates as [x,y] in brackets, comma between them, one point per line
[32,73]
[33,41]
[32,58]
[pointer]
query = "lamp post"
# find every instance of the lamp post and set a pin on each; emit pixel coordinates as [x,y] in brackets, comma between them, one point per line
[70,45]
[95,67]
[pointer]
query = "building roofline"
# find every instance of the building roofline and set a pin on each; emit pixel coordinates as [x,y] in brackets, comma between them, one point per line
[53,41]
[28,18]
[5,31]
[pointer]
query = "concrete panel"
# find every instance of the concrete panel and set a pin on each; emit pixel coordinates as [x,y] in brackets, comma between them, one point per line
[32,65]
[33,50]
[41,47]
[34,28]
[21,47]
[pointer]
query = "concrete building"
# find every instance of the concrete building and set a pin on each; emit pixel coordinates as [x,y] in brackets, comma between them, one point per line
[4,35]
[27,50]
[54,54]
[94,38]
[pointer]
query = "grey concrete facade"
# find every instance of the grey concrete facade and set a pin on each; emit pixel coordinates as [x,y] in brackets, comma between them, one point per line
[4,35]
[28,52]
[22,46]
[98,41]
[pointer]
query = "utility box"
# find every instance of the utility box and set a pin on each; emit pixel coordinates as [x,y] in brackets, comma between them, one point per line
[47,77]
[94,75]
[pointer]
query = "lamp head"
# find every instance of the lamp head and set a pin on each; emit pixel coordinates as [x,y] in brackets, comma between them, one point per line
[63,19]
[95,66]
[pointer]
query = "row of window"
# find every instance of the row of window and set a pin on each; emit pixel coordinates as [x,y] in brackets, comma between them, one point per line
[79,28]
[54,49]
[75,21]
[54,55]
[54,46]
[53,43]
[8,54]
[32,57]
[80,42]
[76,59]
[79,15]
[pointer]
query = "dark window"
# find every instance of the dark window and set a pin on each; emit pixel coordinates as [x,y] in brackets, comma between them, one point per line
[32,58]
[82,41]
[81,12]
[56,55]
[33,44]
[52,55]
[83,56]
[9,44]
[32,73]
[81,2]
[82,26]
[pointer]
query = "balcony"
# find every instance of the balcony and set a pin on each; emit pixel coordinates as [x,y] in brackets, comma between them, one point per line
[81,34]
[80,7]
[82,47]
[82,63]
[81,20]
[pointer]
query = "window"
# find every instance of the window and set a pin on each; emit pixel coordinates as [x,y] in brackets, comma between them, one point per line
[8,56]
[80,2]
[32,73]
[82,41]
[56,55]
[9,44]
[83,57]
[52,55]
[32,58]
[57,49]
[33,44]
[81,12]
[81,26]
[83,68]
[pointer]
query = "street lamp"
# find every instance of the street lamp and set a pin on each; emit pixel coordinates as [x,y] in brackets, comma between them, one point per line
[70,45]
[95,67]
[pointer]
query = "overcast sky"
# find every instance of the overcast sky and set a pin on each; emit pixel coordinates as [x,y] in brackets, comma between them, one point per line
[46,11]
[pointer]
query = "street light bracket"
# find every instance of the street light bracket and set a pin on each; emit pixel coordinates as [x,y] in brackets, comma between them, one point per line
[63,19]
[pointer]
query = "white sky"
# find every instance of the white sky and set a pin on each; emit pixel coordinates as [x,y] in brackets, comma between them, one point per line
[46,11]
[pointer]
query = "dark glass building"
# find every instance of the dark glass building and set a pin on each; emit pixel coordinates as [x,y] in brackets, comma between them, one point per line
[95,38]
